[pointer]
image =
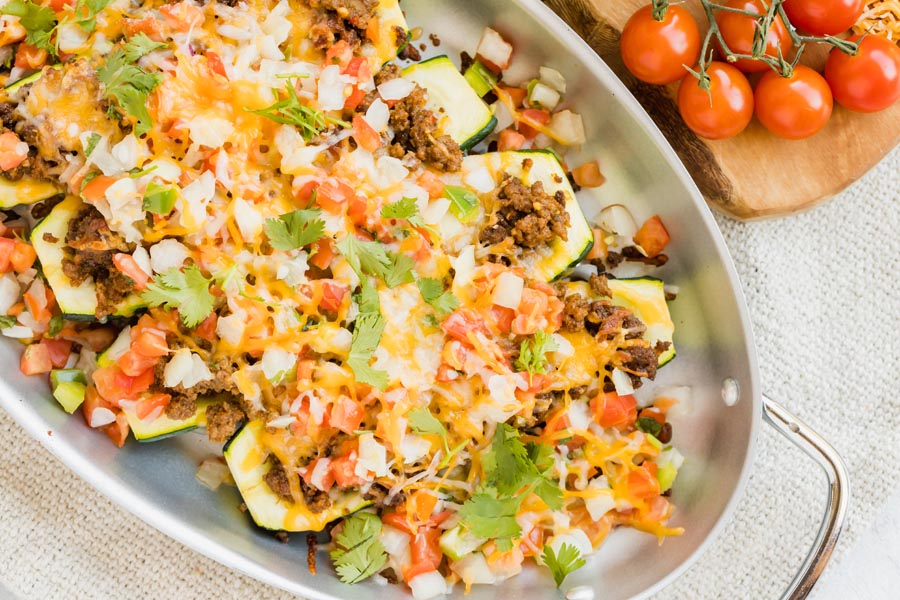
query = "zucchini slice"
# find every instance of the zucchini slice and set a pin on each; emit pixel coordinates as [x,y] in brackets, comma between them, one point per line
[163,427]
[646,298]
[547,262]
[465,116]
[248,461]
[78,303]
[25,191]
[390,20]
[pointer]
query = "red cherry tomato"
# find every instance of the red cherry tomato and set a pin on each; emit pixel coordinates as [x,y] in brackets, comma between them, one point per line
[869,81]
[738,31]
[723,112]
[794,107]
[655,51]
[819,17]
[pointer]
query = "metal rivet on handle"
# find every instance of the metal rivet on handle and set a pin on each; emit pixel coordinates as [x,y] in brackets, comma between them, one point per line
[731,392]
[580,592]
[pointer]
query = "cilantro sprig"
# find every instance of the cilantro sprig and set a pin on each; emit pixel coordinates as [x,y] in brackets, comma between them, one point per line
[532,353]
[372,258]
[366,337]
[359,553]
[422,422]
[128,84]
[39,22]
[432,291]
[186,291]
[295,229]
[291,111]
[563,563]
[513,471]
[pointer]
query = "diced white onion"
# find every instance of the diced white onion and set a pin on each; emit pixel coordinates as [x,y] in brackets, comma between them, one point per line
[211,132]
[212,473]
[480,180]
[502,114]
[493,48]
[231,328]
[130,152]
[378,115]
[70,37]
[554,79]
[617,220]
[167,254]
[575,537]
[579,415]
[428,585]
[584,271]
[319,472]
[473,569]
[508,290]
[120,345]
[18,332]
[622,381]
[102,416]
[9,292]
[201,190]
[142,258]
[564,348]
[684,397]
[568,127]
[394,541]
[544,96]
[413,447]
[249,221]
[331,88]
[601,501]
[281,422]
[186,369]
[372,457]
[396,89]
[276,361]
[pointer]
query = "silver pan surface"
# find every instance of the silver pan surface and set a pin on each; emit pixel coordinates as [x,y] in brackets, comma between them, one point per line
[713,337]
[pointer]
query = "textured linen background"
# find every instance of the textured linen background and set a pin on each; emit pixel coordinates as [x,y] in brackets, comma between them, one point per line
[825,305]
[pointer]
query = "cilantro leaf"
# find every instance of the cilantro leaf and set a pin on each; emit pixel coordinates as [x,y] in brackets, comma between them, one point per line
[88,21]
[359,553]
[7,321]
[405,208]
[93,140]
[291,111]
[488,516]
[549,492]
[295,229]
[648,425]
[541,455]
[38,21]
[129,85]
[368,297]
[509,467]
[139,46]
[432,290]
[186,291]
[563,563]
[159,199]
[372,258]
[532,353]
[366,337]
[422,422]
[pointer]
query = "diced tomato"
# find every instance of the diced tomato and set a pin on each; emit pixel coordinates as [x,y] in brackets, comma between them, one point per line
[446,373]
[113,384]
[134,363]
[58,5]
[654,413]
[422,504]
[358,211]
[354,99]
[517,95]
[215,63]
[333,195]
[327,479]
[59,351]
[425,552]
[305,369]
[36,359]
[461,322]
[207,329]
[432,184]
[323,252]
[532,310]
[503,318]
[373,30]
[343,470]
[150,404]
[339,54]
[588,175]
[652,236]
[346,415]
[13,151]
[613,410]
[37,299]
[95,189]
[30,57]
[129,266]
[398,520]
[182,16]
[642,482]
[118,430]
[7,247]
[92,401]
[534,115]
[23,257]
[332,295]
[510,139]
[149,26]
[367,138]
[599,249]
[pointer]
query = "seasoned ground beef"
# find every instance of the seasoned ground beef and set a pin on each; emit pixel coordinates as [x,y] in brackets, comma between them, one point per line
[408,49]
[389,72]
[93,246]
[529,215]
[181,408]
[316,500]
[416,132]
[575,312]
[600,285]
[220,383]
[632,254]
[341,20]
[277,480]
[222,421]
[7,118]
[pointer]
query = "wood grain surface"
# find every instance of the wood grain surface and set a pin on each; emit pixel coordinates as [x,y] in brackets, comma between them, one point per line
[756,174]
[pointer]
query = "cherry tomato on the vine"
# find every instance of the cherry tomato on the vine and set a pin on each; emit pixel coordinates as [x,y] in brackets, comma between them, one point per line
[824,17]
[738,31]
[725,110]
[655,51]
[868,81]
[794,107]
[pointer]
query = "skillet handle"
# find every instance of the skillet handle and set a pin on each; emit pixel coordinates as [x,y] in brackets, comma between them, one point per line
[823,453]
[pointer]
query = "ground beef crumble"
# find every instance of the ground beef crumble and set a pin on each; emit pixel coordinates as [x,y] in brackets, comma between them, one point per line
[527,214]
[93,246]
[416,132]
[341,20]
[223,420]
[277,480]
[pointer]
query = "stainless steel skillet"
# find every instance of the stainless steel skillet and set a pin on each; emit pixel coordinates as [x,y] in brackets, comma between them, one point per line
[716,359]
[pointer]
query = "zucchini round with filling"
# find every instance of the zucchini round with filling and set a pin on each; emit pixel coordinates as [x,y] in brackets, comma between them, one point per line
[162,427]
[78,302]
[464,115]
[25,191]
[248,461]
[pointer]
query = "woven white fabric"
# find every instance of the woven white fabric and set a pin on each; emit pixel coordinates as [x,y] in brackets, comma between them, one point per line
[826,312]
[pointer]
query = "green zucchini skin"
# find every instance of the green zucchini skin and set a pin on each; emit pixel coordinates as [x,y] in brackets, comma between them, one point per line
[25,191]
[468,118]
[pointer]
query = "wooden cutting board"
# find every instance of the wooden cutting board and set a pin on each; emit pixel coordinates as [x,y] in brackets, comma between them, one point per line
[755,174]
